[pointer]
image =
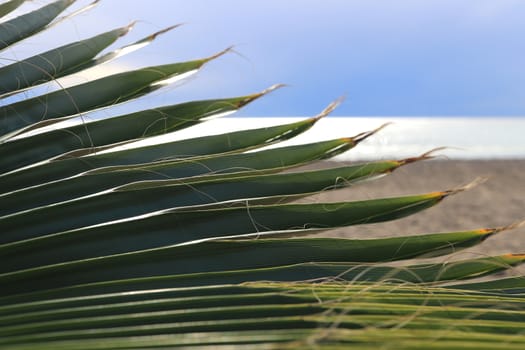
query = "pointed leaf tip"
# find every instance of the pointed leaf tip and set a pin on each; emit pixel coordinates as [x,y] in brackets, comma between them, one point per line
[128,28]
[364,135]
[517,256]
[513,259]
[486,231]
[330,108]
[478,181]
[512,226]
[163,31]
[218,54]
[440,195]
[272,88]
[255,96]
[77,12]
[424,156]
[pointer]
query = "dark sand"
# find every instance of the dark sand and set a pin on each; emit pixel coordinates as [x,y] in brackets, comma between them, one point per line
[500,201]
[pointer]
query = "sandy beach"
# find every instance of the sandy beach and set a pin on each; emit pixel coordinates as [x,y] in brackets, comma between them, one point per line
[500,201]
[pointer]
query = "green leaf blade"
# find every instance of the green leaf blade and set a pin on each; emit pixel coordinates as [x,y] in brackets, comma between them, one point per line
[9,6]
[52,64]
[233,142]
[138,125]
[62,104]
[24,26]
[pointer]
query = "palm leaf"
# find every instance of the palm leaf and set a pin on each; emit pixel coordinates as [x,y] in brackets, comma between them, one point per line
[26,25]
[198,243]
[10,6]
[65,60]
[61,105]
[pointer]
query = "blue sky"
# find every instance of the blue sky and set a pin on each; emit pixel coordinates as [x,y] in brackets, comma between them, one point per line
[389,58]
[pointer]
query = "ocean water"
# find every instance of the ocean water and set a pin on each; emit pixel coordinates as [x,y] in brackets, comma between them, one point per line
[466,138]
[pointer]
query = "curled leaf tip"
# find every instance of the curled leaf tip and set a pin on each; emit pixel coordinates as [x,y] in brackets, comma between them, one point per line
[364,135]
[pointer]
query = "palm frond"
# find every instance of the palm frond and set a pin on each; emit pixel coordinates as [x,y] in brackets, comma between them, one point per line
[199,243]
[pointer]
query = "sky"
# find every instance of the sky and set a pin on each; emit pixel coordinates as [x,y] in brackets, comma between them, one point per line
[387,57]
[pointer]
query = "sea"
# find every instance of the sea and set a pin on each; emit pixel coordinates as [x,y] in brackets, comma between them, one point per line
[462,137]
